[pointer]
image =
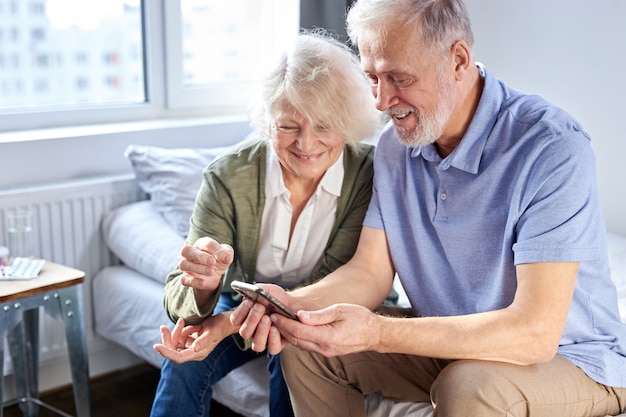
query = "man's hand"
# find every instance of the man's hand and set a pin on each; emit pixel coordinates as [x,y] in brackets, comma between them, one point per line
[336,330]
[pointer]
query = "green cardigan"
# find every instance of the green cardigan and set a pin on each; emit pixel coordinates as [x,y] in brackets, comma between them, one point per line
[229,208]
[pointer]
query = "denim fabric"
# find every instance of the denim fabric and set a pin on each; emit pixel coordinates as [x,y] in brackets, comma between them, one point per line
[186,389]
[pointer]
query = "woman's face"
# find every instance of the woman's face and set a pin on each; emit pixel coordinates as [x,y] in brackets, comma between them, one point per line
[305,151]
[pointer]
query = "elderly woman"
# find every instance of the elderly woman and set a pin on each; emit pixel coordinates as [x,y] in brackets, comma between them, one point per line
[284,207]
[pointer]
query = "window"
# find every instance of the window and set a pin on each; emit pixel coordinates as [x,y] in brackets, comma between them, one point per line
[38,34]
[72,62]
[219,48]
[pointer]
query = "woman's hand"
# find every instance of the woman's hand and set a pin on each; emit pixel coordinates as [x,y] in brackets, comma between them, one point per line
[254,322]
[204,263]
[194,343]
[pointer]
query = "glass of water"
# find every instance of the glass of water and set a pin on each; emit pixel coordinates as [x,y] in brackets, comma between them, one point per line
[20,237]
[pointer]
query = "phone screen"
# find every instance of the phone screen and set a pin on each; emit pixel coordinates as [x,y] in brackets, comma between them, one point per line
[259,295]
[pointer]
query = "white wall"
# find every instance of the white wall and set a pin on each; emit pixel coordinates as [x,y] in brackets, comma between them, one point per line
[572,53]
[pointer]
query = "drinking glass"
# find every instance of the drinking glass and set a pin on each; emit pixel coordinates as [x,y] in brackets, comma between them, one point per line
[20,233]
[4,256]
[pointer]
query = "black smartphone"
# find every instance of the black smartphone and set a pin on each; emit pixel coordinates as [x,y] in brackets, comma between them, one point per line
[259,295]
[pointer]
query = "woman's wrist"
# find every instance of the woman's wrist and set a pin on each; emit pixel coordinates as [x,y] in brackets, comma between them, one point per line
[203,297]
[225,324]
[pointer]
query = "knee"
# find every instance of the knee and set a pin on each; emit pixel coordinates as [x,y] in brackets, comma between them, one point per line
[291,358]
[472,387]
[301,365]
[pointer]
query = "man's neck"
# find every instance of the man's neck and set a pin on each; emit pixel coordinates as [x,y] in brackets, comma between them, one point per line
[462,117]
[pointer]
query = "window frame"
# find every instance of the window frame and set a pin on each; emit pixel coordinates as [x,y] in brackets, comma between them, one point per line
[230,96]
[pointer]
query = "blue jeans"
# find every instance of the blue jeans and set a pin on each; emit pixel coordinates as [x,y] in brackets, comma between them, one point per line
[186,389]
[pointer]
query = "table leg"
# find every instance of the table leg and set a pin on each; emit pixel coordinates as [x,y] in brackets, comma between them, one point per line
[3,330]
[10,315]
[24,349]
[71,307]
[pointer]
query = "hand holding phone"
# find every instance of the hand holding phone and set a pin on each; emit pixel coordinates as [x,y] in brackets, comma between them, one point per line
[259,295]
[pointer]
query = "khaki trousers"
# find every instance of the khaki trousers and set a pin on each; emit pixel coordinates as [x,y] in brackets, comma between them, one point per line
[336,386]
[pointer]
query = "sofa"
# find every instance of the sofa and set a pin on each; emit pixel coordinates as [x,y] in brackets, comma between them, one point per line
[146,237]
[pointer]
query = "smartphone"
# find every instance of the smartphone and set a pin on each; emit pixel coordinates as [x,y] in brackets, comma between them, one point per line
[259,295]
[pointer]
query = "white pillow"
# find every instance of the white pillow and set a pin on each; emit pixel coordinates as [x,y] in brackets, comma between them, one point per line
[171,177]
[141,238]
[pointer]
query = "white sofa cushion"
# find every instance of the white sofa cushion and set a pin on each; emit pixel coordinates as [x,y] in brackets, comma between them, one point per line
[142,239]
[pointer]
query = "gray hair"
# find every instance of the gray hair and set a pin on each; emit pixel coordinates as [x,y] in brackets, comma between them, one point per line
[441,22]
[322,79]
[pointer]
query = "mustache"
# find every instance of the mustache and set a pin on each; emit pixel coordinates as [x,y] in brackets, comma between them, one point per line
[400,111]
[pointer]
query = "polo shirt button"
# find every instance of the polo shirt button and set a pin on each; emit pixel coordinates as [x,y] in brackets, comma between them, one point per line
[444,196]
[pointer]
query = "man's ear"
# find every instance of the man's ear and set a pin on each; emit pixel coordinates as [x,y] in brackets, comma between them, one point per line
[462,58]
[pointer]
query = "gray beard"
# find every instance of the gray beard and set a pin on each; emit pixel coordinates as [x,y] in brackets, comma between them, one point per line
[426,133]
[429,126]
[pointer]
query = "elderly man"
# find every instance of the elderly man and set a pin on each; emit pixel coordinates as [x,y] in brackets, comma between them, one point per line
[485,204]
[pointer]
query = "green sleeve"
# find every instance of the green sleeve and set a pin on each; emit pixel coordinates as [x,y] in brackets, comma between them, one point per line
[212,216]
[228,208]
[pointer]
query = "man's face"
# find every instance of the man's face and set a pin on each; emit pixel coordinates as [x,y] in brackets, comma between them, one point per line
[411,84]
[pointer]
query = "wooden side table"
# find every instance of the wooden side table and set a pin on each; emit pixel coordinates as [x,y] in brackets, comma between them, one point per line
[58,289]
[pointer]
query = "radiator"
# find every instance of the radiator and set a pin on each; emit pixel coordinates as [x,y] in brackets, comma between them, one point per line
[66,228]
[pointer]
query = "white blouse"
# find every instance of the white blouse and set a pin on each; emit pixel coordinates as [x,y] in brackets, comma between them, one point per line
[289,263]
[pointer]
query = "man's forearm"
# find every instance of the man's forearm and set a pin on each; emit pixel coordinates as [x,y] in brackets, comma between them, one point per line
[345,285]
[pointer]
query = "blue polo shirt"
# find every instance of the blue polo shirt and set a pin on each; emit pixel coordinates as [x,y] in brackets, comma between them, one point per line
[520,188]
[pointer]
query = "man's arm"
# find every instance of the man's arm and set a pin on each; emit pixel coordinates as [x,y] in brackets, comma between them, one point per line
[526,332]
[364,280]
